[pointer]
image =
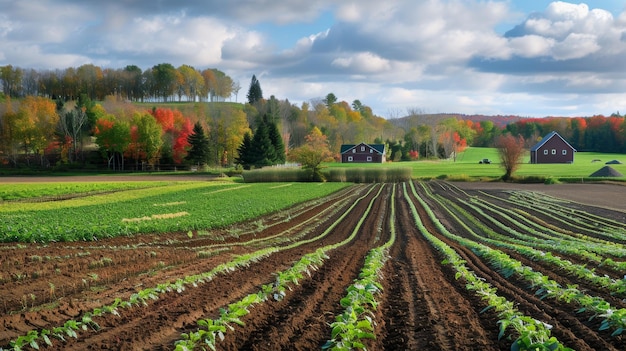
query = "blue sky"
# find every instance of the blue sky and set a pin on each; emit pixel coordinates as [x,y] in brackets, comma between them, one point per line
[528,58]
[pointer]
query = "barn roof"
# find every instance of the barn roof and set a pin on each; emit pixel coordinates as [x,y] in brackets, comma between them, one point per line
[548,137]
[380,148]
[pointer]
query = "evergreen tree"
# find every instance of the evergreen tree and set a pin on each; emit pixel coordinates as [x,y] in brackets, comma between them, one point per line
[199,146]
[277,142]
[255,94]
[263,150]
[246,152]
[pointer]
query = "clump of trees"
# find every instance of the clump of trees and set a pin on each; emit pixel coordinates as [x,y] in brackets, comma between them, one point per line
[264,148]
[162,82]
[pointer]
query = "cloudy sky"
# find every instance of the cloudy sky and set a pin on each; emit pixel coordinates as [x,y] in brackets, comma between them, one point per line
[521,57]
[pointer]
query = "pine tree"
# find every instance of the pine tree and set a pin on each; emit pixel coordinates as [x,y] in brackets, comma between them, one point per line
[255,93]
[199,150]
[245,151]
[277,142]
[262,148]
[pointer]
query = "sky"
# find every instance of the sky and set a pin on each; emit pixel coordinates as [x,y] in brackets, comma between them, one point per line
[530,58]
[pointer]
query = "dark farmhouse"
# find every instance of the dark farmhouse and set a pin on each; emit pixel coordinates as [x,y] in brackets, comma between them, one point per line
[552,149]
[363,153]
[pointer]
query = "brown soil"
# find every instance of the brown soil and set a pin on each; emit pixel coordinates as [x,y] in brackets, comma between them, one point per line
[422,306]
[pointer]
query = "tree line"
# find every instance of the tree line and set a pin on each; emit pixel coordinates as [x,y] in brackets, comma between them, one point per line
[163,82]
[118,134]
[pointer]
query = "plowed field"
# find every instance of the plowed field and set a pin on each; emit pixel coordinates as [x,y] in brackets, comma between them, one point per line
[421,307]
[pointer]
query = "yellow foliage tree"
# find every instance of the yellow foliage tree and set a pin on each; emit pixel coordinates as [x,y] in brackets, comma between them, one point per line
[312,154]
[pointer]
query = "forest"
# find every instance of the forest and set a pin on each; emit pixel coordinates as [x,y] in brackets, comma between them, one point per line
[129,119]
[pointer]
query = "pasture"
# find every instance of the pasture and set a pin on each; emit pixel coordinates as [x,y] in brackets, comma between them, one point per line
[467,166]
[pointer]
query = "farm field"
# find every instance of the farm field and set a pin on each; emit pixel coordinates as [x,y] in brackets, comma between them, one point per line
[467,165]
[421,265]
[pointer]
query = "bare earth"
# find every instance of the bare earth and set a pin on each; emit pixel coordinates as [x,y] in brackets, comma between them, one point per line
[608,195]
[422,307]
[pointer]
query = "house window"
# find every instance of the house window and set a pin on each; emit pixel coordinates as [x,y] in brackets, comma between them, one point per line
[349,158]
[371,151]
[369,158]
[553,151]
[545,152]
[362,148]
[354,151]
[564,152]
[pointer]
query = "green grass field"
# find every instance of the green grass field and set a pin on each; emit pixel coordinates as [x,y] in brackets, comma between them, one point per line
[467,166]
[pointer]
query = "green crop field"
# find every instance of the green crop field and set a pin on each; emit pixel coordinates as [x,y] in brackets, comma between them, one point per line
[180,206]
[467,166]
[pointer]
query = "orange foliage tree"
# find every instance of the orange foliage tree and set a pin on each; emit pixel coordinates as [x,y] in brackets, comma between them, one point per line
[312,154]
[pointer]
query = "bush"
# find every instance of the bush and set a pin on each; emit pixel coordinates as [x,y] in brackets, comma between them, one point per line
[275,175]
[353,175]
[369,175]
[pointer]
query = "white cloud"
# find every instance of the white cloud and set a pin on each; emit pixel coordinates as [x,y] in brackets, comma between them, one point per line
[531,45]
[431,53]
[365,62]
[576,45]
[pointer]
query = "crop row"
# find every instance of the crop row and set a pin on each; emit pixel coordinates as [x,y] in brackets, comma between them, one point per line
[545,287]
[554,239]
[179,207]
[532,334]
[356,322]
[570,217]
[141,298]
[210,330]
[615,286]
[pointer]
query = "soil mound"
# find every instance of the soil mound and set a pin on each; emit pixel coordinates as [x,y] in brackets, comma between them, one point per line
[606,171]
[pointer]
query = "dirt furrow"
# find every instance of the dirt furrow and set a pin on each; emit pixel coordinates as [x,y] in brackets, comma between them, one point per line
[301,320]
[567,327]
[140,325]
[428,310]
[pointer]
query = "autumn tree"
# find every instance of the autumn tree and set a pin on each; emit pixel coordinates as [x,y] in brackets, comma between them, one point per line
[175,129]
[11,79]
[164,75]
[510,151]
[198,146]
[112,138]
[145,139]
[255,94]
[9,143]
[35,126]
[312,154]
[190,83]
[71,126]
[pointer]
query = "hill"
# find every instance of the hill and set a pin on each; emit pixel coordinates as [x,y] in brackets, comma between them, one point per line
[499,120]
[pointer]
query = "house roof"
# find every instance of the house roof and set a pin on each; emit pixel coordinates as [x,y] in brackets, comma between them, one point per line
[548,137]
[380,148]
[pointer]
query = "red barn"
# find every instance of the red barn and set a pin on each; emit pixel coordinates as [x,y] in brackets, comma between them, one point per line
[552,149]
[363,153]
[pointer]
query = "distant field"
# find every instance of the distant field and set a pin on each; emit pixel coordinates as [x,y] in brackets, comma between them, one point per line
[466,165]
